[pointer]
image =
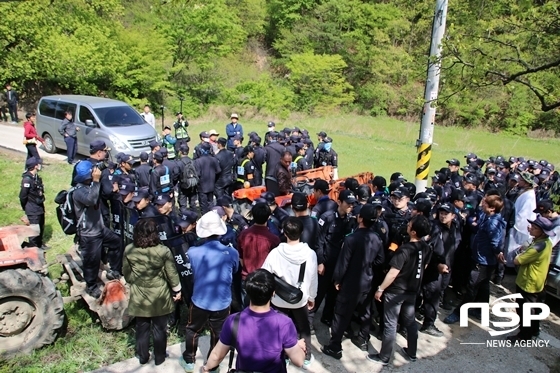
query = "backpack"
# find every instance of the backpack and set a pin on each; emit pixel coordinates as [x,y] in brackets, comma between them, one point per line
[66,212]
[189,178]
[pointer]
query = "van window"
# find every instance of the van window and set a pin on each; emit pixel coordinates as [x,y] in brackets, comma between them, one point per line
[119,116]
[47,108]
[62,107]
[85,114]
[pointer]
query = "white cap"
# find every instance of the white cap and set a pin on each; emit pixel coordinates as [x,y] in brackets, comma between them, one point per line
[234,115]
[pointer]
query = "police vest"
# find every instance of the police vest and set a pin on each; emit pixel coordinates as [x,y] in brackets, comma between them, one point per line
[241,171]
[170,150]
[181,132]
[298,158]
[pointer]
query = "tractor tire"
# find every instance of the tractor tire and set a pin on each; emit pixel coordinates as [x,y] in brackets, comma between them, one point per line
[31,311]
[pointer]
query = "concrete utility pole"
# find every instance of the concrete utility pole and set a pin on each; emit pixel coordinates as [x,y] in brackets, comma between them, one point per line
[424,143]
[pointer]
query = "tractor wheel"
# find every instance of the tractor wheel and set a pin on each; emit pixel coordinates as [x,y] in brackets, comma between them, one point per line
[31,311]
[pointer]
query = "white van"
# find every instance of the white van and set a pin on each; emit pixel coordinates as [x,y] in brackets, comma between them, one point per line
[114,122]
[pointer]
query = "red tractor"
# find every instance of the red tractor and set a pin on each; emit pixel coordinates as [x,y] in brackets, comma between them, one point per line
[32,309]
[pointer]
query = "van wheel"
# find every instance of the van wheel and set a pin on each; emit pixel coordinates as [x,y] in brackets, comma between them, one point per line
[49,145]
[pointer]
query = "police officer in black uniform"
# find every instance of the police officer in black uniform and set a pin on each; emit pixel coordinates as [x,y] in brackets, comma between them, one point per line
[208,168]
[453,165]
[142,203]
[299,159]
[353,276]
[324,203]
[32,199]
[310,234]
[186,185]
[143,171]
[172,165]
[334,226]
[154,146]
[326,156]
[161,177]
[274,152]
[271,128]
[226,158]
[259,159]
[98,156]
[125,166]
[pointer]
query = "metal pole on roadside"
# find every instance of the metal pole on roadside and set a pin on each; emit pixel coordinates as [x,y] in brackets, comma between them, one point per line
[424,142]
[162,116]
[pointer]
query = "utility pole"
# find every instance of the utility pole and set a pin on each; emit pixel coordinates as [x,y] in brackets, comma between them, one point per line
[424,142]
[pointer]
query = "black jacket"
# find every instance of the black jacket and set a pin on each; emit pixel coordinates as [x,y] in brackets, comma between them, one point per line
[333,229]
[227,162]
[259,159]
[274,152]
[323,205]
[161,179]
[143,175]
[450,238]
[11,97]
[324,158]
[208,169]
[31,194]
[361,251]
[310,234]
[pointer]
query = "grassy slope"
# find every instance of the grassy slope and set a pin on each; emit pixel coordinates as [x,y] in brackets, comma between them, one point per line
[380,145]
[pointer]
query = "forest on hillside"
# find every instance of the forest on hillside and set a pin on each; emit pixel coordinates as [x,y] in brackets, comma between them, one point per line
[501,58]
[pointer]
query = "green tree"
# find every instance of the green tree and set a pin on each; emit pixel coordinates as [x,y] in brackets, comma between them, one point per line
[318,82]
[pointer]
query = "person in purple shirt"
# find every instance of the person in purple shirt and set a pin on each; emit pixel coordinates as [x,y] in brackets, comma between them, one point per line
[265,337]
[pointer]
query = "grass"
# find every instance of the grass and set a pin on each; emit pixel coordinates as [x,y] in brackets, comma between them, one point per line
[381,145]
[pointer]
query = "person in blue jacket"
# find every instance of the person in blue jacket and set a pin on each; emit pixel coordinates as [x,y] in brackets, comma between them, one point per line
[233,129]
[487,250]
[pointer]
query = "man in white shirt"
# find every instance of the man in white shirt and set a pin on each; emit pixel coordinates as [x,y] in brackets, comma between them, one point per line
[148,116]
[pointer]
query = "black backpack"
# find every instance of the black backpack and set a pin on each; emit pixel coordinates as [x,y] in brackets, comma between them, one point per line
[66,212]
[189,177]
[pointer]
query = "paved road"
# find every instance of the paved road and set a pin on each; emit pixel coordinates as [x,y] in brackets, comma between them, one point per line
[11,137]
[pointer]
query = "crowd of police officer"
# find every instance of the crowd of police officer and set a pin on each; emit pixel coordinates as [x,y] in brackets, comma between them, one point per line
[176,189]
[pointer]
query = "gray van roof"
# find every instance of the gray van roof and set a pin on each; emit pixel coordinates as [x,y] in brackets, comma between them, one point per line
[94,102]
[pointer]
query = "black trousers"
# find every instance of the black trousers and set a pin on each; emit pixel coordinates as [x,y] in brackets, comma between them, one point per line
[205,200]
[37,241]
[533,330]
[91,248]
[300,318]
[221,190]
[478,287]
[3,113]
[12,108]
[32,151]
[71,147]
[431,292]
[187,199]
[343,311]
[157,325]
[395,305]
[198,319]
[326,291]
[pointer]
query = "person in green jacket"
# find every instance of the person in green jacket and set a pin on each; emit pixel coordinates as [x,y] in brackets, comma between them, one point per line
[149,268]
[533,269]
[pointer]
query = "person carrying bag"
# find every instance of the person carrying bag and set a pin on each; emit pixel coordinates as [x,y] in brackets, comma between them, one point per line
[262,337]
[294,266]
